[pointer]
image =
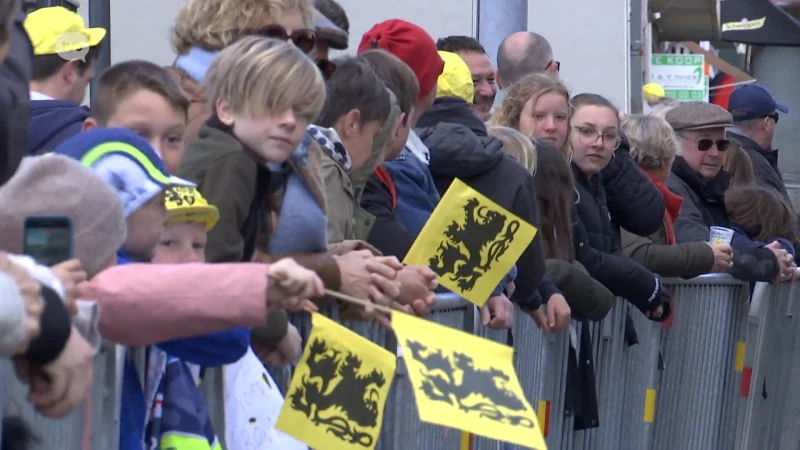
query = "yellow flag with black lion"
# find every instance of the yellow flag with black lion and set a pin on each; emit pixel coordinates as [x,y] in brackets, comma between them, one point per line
[466,382]
[470,242]
[339,390]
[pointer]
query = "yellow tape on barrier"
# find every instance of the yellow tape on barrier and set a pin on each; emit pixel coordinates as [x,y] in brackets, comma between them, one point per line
[738,362]
[649,405]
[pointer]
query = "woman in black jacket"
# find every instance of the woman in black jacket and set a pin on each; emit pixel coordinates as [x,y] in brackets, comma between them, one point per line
[594,138]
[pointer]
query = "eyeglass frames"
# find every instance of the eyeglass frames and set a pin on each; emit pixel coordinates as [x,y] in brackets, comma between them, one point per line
[304,39]
[705,144]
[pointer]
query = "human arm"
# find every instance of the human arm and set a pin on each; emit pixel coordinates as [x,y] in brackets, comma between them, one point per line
[621,275]
[177,301]
[587,297]
[633,201]
[686,260]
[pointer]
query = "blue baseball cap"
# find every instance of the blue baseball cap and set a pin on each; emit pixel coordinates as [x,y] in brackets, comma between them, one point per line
[124,160]
[753,101]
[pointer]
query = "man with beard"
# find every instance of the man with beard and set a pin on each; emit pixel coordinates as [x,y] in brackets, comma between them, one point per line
[483,76]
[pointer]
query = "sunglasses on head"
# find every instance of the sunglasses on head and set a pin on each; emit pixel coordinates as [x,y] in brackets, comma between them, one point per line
[304,39]
[705,144]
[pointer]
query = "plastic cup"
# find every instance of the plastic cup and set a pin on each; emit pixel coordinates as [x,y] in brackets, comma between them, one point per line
[720,235]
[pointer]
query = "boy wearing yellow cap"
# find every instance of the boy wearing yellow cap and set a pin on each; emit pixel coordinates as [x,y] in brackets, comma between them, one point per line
[64,54]
[190,218]
[184,240]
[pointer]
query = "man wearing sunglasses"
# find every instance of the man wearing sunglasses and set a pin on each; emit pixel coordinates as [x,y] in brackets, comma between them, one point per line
[697,176]
[755,116]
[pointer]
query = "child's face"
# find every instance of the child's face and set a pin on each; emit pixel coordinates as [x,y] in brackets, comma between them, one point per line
[145,226]
[155,119]
[272,136]
[358,142]
[182,242]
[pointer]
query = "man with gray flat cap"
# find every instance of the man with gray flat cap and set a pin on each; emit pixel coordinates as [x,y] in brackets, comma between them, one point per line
[755,116]
[697,176]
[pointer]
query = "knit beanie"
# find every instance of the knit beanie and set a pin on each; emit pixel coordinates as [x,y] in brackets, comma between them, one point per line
[413,45]
[456,79]
[125,160]
[54,185]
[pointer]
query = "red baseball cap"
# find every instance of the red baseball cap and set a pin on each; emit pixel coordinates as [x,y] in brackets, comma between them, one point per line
[413,45]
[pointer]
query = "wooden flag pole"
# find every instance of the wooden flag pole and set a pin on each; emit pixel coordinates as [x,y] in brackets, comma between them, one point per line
[347,298]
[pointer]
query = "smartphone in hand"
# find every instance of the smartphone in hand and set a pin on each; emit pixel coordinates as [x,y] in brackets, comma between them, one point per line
[48,239]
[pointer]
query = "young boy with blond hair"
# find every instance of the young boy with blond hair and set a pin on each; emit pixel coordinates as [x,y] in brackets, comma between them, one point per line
[255,161]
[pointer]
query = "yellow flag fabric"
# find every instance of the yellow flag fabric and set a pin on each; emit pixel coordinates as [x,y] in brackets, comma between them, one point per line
[470,242]
[339,389]
[466,382]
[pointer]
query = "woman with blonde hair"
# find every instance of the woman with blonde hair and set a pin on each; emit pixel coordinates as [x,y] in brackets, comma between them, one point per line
[516,145]
[204,27]
[538,106]
[653,146]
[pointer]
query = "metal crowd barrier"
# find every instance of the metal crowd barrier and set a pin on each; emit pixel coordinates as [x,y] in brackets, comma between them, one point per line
[678,387]
[689,384]
[94,425]
[769,394]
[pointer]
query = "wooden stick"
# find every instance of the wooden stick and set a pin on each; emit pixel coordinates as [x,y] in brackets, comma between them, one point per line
[346,298]
[357,301]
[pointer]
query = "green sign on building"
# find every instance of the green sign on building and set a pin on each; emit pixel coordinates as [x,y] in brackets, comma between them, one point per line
[682,76]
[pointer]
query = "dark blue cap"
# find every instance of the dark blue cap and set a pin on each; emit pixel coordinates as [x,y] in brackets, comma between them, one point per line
[752,101]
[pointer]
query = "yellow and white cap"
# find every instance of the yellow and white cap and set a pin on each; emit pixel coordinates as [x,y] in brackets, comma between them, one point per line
[653,91]
[186,204]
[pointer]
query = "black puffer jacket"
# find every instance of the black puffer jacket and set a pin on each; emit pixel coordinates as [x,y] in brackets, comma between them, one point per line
[633,202]
[597,247]
[460,148]
[15,74]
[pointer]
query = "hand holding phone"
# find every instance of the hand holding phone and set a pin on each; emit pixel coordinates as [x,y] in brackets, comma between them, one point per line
[71,275]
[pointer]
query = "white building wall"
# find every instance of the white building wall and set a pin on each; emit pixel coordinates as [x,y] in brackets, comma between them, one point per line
[591,40]
[140,29]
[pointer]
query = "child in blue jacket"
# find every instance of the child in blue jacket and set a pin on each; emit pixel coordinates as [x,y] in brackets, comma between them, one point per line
[129,164]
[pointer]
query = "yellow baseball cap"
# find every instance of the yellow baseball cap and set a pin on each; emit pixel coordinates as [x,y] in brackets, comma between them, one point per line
[456,79]
[55,30]
[653,91]
[186,204]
